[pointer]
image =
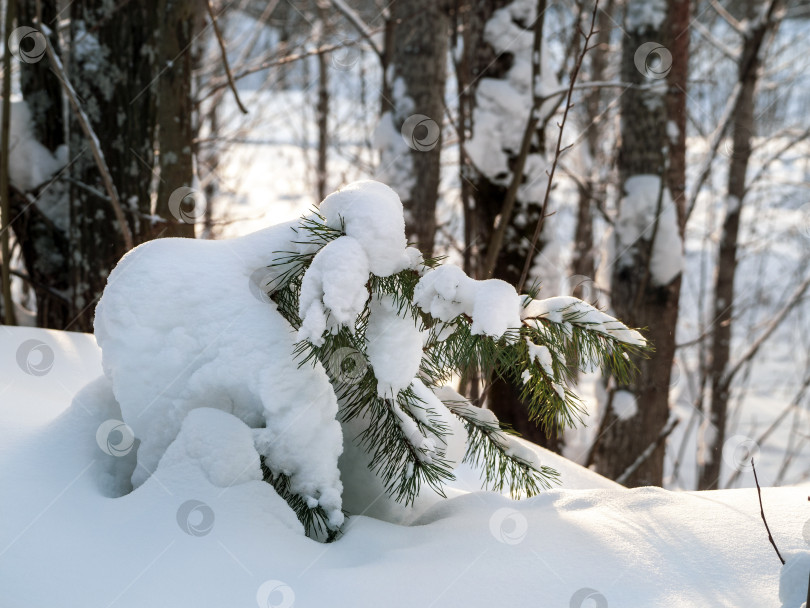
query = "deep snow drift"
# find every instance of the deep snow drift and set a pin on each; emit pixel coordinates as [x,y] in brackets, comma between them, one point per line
[181,539]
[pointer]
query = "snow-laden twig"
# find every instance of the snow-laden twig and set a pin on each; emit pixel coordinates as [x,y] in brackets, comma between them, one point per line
[224,55]
[568,105]
[92,139]
[762,512]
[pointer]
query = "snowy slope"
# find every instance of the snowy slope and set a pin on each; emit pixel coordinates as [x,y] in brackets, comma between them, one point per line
[66,539]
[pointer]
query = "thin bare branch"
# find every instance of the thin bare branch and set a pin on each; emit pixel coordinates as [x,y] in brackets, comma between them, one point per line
[762,512]
[777,319]
[728,17]
[92,139]
[648,451]
[538,229]
[224,55]
[357,22]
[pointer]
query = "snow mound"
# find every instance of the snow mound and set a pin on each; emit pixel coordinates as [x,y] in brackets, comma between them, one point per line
[794,580]
[634,548]
[180,328]
[218,444]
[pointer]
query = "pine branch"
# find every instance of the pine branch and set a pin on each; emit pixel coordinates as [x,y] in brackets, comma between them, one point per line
[402,434]
[492,449]
[315,520]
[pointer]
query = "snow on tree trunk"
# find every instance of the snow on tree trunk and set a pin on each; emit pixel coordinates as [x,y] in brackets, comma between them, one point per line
[409,136]
[645,281]
[499,48]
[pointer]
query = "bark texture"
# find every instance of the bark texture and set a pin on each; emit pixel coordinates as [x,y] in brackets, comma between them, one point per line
[637,300]
[743,128]
[419,61]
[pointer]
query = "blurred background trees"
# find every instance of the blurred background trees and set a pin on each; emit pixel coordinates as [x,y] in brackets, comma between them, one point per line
[458,105]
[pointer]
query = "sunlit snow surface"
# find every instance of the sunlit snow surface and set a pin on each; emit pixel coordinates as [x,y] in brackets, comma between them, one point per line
[187,538]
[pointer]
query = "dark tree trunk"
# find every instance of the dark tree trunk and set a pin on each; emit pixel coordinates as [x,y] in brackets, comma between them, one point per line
[322,109]
[743,128]
[178,209]
[43,243]
[636,299]
[112,79]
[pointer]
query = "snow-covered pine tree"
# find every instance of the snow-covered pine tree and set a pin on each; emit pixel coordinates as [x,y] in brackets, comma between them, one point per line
[391,329]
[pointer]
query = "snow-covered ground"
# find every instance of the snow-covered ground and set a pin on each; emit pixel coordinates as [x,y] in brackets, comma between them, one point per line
[189,538]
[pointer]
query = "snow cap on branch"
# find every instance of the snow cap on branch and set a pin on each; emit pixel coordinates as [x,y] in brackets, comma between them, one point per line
[568,309]
[371,213]
[447,292]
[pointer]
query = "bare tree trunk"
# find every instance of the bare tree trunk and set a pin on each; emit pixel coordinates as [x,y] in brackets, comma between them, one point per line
[178,209]
[419,66]
[636,297]
[743,128]
[582,264]
[322,108]
[8,317]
